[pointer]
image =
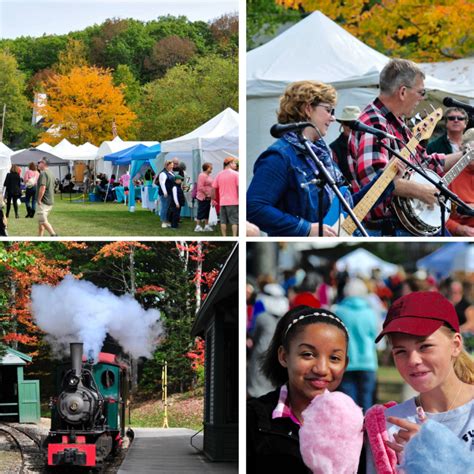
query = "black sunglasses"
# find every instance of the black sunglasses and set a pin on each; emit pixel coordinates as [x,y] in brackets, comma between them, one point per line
[456,117]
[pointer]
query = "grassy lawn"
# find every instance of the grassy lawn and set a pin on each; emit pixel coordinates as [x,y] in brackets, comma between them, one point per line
[184,411]
[96,219]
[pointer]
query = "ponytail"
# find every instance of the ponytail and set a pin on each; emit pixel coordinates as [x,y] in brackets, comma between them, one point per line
[464,367]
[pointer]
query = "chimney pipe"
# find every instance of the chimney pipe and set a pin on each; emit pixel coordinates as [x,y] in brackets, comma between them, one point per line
[76,357]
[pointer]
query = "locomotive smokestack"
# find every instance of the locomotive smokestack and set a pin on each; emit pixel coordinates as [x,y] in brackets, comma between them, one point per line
[76,357]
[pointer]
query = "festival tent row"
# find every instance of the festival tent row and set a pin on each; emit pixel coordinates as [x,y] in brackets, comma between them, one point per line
[342,60]
[211,142]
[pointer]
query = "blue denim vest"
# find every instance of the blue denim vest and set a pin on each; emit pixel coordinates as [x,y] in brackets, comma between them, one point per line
[281,200]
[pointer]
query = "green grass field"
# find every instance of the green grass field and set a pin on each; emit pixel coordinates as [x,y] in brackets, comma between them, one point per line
[73,218]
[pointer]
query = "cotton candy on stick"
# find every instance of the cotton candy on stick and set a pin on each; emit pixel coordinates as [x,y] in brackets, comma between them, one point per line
[331,436]
[436,449]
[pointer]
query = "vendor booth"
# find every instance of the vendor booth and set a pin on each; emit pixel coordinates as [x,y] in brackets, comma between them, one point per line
[211,142]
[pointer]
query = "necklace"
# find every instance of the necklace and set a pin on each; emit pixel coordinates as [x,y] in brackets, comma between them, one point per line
[421,413]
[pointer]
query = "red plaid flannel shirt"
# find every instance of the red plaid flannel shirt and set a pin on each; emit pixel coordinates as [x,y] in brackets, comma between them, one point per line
[366,156]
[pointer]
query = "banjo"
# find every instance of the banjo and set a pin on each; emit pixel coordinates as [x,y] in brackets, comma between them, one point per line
[415,215]
[345,226]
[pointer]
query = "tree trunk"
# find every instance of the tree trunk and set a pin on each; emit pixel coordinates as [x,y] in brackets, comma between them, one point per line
[133,288]
[198,276]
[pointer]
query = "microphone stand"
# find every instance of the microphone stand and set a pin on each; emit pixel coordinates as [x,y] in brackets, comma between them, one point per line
[444,194]
[323,179]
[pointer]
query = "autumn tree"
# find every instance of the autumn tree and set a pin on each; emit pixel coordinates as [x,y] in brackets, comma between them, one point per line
[225,31]
[82,105]
[187,96]
[23,264]
[420,30]
[75,55]
[12,94]
[169,52]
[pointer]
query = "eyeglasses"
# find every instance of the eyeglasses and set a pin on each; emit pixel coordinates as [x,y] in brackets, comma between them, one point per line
[458,118]
[421,92]
[330,110]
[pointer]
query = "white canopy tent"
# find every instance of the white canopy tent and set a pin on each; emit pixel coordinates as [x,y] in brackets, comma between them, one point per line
[5,163]
[361,262]
[352,67]
[211,142]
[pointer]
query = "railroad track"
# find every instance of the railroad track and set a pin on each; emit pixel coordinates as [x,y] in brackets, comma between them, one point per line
[29,447]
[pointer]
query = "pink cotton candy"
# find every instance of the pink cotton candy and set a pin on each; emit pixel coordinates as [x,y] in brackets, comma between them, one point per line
[331,436]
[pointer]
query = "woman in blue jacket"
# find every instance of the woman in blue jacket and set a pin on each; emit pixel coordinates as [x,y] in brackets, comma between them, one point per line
[282,199]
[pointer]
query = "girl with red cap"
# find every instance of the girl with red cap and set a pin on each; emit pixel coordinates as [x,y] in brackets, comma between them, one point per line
[427,348]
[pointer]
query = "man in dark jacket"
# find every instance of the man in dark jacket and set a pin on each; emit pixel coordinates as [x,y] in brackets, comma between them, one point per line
[451,141]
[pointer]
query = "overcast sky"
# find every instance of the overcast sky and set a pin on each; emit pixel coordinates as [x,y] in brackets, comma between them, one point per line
[36,17]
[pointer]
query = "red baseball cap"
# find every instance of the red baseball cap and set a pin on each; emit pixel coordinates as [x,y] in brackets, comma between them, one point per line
[420,313]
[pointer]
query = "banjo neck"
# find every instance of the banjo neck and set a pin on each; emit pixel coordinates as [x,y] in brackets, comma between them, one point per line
[370,198]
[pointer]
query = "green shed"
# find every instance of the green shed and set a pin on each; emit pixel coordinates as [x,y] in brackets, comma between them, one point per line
[19,398]
[217,323]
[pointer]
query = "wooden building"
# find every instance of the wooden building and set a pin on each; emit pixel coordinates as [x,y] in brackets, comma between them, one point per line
[19,398]
[217,323]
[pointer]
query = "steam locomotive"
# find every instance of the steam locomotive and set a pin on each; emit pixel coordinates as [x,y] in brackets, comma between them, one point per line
[88,416]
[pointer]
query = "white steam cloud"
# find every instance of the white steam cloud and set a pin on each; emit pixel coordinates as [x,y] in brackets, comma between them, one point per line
[79,311]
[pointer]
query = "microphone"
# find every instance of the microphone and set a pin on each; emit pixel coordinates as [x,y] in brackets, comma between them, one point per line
[450,102]
[279,129]
[361,127]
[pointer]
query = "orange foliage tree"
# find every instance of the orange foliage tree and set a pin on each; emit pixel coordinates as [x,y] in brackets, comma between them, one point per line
[24,264]
[421,30]
[82,106]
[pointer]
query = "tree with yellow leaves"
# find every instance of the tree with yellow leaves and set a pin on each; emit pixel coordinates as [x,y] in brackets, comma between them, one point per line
[82,106]
[421,30]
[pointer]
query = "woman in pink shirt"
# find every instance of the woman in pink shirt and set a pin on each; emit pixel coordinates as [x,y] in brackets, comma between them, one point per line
[30,179]
[203,196]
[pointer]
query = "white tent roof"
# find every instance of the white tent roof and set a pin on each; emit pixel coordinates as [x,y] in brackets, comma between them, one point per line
[117,144]
[219,133]
[64,149]
[44,147]
[352,67]
[4,150]
[459,73]
[342,60]
[361,262]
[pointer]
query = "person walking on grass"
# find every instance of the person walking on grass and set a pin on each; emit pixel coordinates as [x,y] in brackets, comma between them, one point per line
[225,189]
[45,198]
[12,187]
[31,179]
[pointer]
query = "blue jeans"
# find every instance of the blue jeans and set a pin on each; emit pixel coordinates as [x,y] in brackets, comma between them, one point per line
[164,205]
[360,386]
[30,195]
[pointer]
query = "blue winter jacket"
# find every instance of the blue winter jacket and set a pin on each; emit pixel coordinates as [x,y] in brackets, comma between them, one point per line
[276,200]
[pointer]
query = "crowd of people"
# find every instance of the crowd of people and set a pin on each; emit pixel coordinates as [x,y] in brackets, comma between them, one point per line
[212,199]
[38,186]
[288,195]
[311,334]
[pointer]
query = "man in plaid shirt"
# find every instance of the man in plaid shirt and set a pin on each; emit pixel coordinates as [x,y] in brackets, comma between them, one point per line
[401,90]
